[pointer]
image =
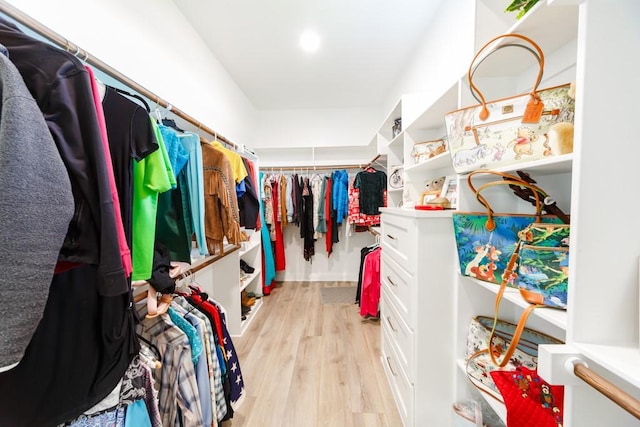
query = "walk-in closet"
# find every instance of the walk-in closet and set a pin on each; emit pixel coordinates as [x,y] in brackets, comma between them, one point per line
[246,214]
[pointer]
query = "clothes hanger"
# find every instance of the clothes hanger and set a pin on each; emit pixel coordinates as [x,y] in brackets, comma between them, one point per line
[133,95]
[154,349]
[151,295]
[172,124]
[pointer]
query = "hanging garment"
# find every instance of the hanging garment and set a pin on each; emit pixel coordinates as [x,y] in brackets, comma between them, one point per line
[176,153]
[111,418]
[137,415]
[283,201]
[137,386]
[363,254]
[327,215]
[201,365]
[125,253]
[57,379]
[268,263]
[372,185]
[316,189]
[35,210]
[221,204]
[306,227]
[237,166]
[71,116]
[131,138]
[248,204]
[232,363]
[195,185]
[267,204]
[218,402]
[355,216]
[279,251]
[289,199]
[370,298]
[151,176]
[335,238]
[322,211]
[298,202]
[177,379]
[341,195]
[173,220]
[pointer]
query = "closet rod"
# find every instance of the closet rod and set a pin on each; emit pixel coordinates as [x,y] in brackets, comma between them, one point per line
[312,167]
[373,161]
[611,391]
[85,56]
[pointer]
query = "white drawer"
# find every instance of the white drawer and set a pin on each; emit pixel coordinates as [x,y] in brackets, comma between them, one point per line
[401,388]
[401,337]
[399,235]
[401,287]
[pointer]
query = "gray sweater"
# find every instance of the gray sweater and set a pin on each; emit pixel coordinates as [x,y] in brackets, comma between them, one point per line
[36,206]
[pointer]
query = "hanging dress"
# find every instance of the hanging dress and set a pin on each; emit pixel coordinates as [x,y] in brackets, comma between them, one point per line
[277,216]
[268,263]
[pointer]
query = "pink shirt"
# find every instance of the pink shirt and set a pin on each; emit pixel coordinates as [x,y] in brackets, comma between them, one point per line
[125,252]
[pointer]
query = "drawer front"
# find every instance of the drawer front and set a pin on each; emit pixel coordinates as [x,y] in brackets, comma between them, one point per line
[401,287]
[401,388]
[401,337]
[399,235]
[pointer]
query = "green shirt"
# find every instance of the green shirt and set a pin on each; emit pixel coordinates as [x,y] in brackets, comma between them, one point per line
[151,176]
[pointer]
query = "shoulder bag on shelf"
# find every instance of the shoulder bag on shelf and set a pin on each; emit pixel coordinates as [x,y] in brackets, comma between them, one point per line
[486,240]
[510,130]
[530,400]
[501,334]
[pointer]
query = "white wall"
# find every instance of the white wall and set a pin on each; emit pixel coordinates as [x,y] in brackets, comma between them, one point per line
[151,42]
[443,55]
[316,127]
[342,265]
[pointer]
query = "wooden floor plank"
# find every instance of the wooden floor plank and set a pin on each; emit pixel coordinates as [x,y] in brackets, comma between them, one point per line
[308,364]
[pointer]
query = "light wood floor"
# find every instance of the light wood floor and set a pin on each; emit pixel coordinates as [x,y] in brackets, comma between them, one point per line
[306,363]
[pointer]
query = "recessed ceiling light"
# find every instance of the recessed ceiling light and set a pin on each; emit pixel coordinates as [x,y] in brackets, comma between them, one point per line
[309,41]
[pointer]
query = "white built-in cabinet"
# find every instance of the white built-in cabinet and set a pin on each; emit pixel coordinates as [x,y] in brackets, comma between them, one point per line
[591,42]
[415,310]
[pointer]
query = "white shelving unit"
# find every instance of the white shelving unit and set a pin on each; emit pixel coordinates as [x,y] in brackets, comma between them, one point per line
[251,253]
[586,41]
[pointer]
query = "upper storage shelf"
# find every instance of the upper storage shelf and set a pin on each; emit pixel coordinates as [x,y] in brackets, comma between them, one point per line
[551,26]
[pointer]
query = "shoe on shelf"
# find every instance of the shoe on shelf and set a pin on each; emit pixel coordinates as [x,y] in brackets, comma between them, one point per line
[246,267]
[245,310]
[246,300]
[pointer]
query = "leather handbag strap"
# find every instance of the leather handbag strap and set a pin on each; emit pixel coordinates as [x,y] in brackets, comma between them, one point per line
[484,113]
[494,50]
[507,276]
[507,180]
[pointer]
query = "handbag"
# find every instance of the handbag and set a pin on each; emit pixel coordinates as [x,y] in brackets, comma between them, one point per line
[486,241]
[487,333]
[508,130]
[426,150]
[542,272]
[530,400]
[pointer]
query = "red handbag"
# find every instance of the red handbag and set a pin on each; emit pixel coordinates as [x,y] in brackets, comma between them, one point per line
[530,400]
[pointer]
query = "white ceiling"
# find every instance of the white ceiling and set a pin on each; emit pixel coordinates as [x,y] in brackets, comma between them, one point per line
[365,45]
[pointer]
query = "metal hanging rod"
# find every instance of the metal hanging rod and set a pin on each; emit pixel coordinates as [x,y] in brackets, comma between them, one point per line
[309,168]
[85,56]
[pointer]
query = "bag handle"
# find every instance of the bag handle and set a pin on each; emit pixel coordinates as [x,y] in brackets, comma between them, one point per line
[506,277]
[535,99]
[497,48]
[507,180]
